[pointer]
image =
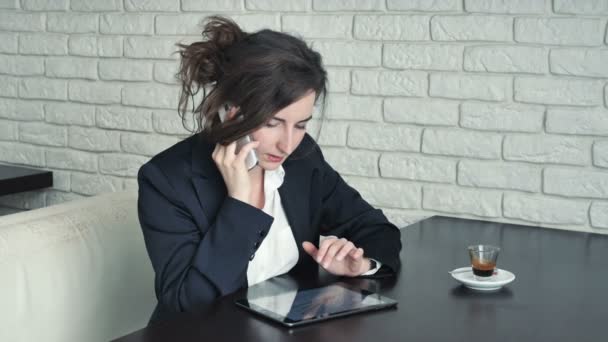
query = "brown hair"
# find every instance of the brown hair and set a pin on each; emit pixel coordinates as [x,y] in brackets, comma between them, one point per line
[260,72]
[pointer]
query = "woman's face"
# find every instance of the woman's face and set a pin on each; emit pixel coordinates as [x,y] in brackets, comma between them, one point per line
[282,134]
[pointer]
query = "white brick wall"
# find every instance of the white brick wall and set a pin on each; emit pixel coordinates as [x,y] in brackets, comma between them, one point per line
[513,59]
[487,109]
[473,27]
[392,27]
[560,31]
[317,26]
[547,149]
[501,117]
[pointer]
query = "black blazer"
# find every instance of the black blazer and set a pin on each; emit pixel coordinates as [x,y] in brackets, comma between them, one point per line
[200,241]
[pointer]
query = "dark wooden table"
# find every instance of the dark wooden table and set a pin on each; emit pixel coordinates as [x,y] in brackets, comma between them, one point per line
[14,179]
[560,294]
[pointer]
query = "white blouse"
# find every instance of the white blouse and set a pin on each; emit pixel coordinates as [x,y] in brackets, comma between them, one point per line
[278,253]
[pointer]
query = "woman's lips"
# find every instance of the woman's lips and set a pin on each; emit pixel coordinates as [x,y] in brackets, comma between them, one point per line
[274,159]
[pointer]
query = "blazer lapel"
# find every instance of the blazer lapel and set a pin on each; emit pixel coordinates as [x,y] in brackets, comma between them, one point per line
[295,199]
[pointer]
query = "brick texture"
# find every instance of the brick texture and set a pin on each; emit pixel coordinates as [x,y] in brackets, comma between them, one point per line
[476,108]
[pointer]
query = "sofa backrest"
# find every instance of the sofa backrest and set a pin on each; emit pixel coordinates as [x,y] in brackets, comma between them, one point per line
[77,271]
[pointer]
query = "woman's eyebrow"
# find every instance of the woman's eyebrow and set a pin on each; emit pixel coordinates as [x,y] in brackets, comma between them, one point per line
[283,120]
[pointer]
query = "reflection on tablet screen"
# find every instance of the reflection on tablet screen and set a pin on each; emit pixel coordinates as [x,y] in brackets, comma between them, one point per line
[316,303]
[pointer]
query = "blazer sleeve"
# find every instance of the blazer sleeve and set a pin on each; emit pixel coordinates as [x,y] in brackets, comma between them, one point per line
[195,264]
[346,214]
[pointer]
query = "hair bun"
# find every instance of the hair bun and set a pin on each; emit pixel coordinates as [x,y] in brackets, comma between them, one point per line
[202,61]
[222,32]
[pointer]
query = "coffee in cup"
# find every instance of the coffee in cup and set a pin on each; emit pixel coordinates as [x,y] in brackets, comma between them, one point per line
[483,260]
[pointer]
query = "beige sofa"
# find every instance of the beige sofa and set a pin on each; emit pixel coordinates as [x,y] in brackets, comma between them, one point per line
[75,272]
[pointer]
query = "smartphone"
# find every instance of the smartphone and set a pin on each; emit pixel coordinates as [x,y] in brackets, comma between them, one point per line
[251,160]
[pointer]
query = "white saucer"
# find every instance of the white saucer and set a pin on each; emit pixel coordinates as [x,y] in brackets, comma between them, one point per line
[465,276]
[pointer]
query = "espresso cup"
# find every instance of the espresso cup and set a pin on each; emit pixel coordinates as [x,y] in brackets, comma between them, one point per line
[483,260]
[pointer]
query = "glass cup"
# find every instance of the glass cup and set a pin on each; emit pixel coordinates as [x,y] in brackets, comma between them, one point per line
[483,260]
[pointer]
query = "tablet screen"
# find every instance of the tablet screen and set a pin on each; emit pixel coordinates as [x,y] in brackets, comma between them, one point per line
[300,306]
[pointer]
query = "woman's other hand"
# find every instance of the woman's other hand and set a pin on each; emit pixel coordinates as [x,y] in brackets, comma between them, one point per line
[338,256]
[233,169]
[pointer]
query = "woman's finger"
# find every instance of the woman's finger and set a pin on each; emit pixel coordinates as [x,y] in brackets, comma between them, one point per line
[215,151]
[348,246]
[356,253]
[229,151]
[332,251]
[309,248]
[323,246]
[218,153]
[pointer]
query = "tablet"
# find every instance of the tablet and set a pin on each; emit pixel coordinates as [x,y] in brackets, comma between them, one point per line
[305,306]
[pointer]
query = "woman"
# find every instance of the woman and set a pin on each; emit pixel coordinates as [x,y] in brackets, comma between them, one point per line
[212,226]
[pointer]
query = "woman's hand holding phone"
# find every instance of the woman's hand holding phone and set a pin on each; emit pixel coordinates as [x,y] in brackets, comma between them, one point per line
[226,112]
[233,168]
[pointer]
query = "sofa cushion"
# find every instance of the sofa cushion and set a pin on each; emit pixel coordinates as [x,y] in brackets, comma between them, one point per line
[77,271]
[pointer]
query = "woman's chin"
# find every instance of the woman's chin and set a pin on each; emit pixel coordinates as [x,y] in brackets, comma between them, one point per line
[267,166]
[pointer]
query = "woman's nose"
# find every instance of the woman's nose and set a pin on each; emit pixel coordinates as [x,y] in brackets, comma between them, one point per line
[286,142]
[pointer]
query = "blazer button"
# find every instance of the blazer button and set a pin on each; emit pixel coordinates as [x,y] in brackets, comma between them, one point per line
[262,233]
[251,257]
[256,244]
